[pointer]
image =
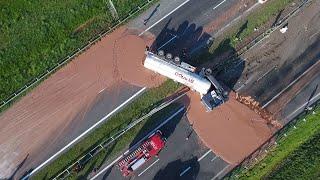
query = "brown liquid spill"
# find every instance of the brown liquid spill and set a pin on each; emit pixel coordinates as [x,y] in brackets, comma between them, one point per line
[231,130]
[255,106]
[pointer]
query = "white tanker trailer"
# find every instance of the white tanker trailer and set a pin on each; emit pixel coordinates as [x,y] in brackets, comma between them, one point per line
[184,73]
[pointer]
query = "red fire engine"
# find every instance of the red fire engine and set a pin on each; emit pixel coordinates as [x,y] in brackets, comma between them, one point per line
[148,149]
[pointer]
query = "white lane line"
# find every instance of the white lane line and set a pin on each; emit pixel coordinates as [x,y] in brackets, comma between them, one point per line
[163,17]
[219,4]
[148,167]
[266,73]
[174,36]
[85,132]
[276,96]
[205,154]
[303,105]
[219,173]
[214,158]
[183,172]
[111,164]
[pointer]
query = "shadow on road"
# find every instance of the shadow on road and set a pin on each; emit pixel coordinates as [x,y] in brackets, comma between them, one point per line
[18,167]
[183,41]
[191,44]
[311,96]
[227,70]
[178,170]
[145,21]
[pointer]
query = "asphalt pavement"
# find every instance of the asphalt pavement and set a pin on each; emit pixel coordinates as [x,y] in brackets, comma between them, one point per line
[182,27]
[180,159]
[176,15]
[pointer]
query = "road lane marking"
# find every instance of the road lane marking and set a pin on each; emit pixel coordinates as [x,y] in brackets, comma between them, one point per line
[219,4]
[292,83]
[148,167]
[205,154]
[111,164]
[183,172]
[219,173]
[84,133]
[251,78]
[266,73]
[214,158]
[174,36]
[164,17]
[303,105]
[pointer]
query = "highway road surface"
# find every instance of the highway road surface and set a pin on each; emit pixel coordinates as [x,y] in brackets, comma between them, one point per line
[186,159]
[179,15]
[185,27]
[180,25]
[284,69]
[180,159]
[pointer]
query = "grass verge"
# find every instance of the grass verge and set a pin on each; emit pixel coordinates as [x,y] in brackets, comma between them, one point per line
[133,111]
[295,155]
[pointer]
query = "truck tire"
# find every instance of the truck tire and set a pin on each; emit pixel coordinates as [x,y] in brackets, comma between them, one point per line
[169,56]
[208,72]
[177,60]
[161,53]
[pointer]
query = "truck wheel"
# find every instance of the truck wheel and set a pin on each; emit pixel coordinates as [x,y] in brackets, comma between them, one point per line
[177,60]
[169,56]
[161,53]
[208,72]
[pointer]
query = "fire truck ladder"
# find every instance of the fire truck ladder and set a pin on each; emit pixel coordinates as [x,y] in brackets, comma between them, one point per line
[133,154]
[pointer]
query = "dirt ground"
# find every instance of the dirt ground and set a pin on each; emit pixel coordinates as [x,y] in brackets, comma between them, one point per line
[36,125]
[231,130]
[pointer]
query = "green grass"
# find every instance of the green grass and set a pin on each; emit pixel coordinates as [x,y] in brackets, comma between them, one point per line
[259,18]
[133,111]
[290,150]
[303,163]
[35,35]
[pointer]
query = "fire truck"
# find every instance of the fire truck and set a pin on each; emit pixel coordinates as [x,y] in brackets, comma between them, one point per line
[148,149]
[211,92]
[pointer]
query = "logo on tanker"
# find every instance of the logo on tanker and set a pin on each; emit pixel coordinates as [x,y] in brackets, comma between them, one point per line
[183,77]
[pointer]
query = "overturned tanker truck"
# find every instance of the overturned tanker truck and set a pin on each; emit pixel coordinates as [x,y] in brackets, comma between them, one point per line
[211,92]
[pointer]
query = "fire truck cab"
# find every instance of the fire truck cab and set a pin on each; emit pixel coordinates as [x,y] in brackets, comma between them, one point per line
[148,149]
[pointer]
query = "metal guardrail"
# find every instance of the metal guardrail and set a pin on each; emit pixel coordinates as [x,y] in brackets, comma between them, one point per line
[103,145]
[75,53]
